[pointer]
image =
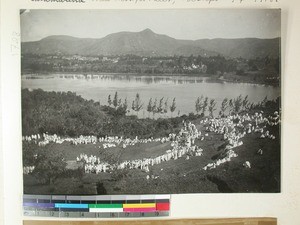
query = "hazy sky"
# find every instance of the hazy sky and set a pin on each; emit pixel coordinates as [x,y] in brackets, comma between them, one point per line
[181,24]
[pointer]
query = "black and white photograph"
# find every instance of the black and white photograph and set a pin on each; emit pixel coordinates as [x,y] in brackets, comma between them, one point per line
[137,101]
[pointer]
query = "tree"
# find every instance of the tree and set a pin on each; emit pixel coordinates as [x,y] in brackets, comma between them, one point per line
[237,104]
[212,107]
[109,100]
[224,106]
[50,165]
[205,104]
[116,101]
[149,106]
[137,104]
[133,105]
[230,103]
[245,103]
[125,105]
[199,104]
[264,101]
[166,106]
[122,108]
[154,107]
[173,106]
[160,106]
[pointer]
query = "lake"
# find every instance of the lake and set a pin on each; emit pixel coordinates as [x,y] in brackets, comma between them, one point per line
[184,88]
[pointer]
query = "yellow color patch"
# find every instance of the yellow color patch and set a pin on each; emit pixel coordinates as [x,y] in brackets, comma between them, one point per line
[141,205]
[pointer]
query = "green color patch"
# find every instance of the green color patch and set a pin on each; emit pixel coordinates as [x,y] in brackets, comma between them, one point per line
[106,206]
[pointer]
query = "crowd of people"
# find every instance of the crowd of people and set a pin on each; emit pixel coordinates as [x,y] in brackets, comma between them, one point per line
[33,137]
[182,145]
[105,142]
[233,128]
[43,140]
[110,142]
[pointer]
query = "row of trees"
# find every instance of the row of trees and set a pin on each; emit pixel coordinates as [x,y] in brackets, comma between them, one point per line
[160,106]
[235,105]
[202,105]
[156,106]
[120,107]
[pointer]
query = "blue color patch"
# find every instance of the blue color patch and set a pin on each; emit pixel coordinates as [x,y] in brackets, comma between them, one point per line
[72,206]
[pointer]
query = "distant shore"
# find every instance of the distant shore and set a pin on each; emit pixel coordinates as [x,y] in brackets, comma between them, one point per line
[208,77]
[123,74]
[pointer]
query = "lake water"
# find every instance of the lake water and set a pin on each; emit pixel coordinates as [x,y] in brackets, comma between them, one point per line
[184,89]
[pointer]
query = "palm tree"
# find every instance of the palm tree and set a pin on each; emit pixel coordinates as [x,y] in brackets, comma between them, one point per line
[137,104]
[212,107]
[154,107]
[160,106]
[116,102]
[125,106]
[224,106]
[237,103]
[173,106]
[109,100]
[166,106]
[199,104]
[245,103]
[149,106]
[205,104]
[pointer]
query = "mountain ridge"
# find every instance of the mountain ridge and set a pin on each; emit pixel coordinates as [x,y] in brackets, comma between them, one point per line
[148,43]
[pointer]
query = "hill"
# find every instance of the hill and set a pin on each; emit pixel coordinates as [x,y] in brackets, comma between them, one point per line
[148,43]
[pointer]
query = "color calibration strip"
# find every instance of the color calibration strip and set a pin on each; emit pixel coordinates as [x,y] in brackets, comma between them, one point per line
[115,206]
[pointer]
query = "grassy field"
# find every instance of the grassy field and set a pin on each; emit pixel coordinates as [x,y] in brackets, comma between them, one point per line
[174,176]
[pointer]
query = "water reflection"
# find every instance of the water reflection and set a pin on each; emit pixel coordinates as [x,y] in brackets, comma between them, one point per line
[121,77]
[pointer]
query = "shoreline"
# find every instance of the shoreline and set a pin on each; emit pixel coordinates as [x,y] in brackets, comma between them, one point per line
[207,77]
[123,74]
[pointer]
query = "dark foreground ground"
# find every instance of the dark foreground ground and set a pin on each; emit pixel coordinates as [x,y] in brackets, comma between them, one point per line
[174,176]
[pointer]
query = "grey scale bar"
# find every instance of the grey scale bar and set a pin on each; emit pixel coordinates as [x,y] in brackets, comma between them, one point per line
[73,197]
[103,198]
[88,198]
[58,197]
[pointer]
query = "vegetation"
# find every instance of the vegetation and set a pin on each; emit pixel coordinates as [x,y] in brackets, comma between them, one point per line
[67,114]
[49,165]
[62,113]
